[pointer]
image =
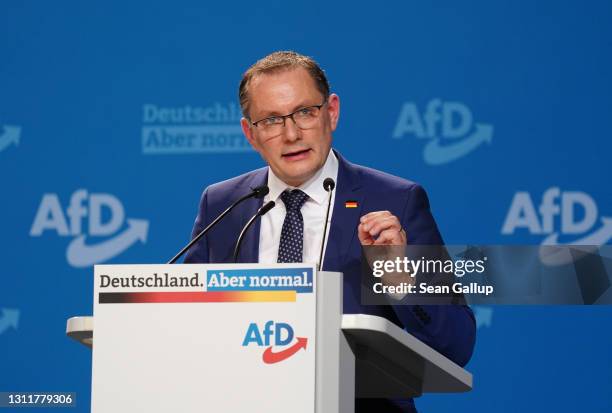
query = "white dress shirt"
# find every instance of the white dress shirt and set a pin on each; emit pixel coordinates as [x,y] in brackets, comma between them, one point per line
[313,212]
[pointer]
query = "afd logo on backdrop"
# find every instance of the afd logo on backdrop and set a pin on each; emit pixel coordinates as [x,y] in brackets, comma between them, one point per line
[192,129]
[273,334]
[10,135]
[448,127]
[105,218]
[578,221]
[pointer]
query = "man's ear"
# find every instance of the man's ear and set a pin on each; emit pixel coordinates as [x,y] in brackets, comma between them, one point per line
[333,108]
[248,133]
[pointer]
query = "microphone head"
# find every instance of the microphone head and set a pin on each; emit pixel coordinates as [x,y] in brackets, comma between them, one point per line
[329,184]
[261,191]
[266,207]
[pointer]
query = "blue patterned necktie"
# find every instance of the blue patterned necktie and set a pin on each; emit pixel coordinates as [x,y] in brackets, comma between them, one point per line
[292,236]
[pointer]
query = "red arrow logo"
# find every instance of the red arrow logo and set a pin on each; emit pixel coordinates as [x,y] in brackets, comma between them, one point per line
[269,357]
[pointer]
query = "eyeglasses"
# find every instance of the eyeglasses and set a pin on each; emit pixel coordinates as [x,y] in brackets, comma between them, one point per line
[303,118]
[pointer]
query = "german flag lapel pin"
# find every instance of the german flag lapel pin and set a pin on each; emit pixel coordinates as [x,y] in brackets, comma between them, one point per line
[351,204]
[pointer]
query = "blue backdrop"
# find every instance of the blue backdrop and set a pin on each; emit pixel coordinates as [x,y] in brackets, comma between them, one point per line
[115,115]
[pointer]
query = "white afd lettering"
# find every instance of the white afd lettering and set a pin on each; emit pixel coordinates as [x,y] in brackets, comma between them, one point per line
[450,120]
[522,213]
[50,215]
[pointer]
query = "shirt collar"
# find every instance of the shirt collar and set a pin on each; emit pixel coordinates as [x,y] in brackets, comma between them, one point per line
[313,187]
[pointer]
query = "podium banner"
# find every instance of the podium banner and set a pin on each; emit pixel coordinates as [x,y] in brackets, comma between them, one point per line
[194,337]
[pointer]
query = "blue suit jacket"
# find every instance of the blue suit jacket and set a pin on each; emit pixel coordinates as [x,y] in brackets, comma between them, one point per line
[450,329]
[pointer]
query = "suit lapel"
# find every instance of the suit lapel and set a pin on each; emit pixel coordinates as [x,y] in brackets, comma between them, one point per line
[249,252]
[345,218]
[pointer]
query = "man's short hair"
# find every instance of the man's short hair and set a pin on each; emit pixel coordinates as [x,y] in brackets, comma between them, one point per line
[277,62]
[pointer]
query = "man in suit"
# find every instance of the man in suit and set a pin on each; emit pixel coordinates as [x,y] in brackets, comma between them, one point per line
[289,116]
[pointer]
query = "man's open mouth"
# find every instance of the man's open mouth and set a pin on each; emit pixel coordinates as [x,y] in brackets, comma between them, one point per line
[295,154]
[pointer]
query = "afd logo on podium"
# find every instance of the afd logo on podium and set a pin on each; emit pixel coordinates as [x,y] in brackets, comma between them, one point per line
[448,126]
[273,335]
[106,218]
[563,217]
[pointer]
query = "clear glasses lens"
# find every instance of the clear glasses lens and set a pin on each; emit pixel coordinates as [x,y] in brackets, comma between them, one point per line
[305,118]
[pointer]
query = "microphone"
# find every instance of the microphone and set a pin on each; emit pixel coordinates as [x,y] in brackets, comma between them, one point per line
[328,185]
[260,212]
[257,192]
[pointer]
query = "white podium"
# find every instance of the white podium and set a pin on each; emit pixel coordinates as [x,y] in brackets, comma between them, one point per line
[342,357]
